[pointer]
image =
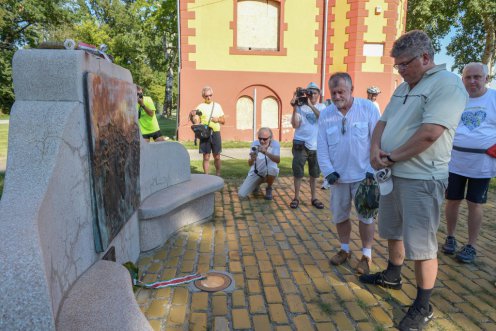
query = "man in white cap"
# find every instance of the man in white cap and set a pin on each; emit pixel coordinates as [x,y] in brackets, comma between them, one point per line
[306,112]
[372,93]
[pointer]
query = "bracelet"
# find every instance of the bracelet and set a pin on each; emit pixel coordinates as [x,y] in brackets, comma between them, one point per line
[390,159]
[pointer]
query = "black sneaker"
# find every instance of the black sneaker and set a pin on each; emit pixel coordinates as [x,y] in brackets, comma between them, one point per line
[450,245]
[415,319]
[268,193]
[466,254]
[379,278]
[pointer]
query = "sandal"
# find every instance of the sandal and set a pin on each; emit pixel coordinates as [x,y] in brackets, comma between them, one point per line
[317,204]
[294,204]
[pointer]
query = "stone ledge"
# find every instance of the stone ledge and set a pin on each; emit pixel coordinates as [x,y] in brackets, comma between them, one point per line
[166,200]
[102,299]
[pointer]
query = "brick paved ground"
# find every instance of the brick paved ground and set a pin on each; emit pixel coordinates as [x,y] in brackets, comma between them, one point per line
[279,260]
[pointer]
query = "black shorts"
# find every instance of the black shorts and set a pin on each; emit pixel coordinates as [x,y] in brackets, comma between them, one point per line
[212,144]
[476,188]
[153,135]
[300,156]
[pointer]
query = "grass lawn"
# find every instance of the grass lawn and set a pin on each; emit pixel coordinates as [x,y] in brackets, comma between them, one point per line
[4,135]
[4,116]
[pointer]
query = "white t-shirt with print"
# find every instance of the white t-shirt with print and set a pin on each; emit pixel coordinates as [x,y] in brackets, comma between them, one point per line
[477,129]
[307,131]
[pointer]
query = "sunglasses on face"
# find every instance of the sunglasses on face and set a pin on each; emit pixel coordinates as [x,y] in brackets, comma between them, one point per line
[263,139]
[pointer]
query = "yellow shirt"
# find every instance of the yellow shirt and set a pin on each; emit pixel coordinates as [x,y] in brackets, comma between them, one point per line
[206,109]
[148,124]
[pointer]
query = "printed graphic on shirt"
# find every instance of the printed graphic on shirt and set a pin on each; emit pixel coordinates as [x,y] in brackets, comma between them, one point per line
[473,117]
[311,118]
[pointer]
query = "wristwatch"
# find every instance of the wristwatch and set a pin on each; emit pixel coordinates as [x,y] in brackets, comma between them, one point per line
[390,159]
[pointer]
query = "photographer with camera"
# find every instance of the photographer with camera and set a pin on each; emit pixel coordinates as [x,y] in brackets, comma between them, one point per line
[210,114]
[264,157]
[147,118]
[306,112]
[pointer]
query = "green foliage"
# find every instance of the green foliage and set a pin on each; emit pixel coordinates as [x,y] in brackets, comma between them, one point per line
[474,22]
[141,36]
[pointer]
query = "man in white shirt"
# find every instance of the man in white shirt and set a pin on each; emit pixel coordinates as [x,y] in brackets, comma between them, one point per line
[306,112]
[343,149]
[264,158]
[470,166]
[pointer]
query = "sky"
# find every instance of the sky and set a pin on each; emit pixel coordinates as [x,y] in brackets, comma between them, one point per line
[442,57]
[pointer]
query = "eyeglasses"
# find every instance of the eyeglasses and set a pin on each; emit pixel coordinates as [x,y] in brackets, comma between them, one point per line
[404,65]
[343,125]
[208,95]
[263,139]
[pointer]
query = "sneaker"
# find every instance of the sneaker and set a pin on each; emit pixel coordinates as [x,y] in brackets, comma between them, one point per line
[415,319]
[340,257]
[379,278]
[466,254]
[363,266]
[450,245]
[268,193]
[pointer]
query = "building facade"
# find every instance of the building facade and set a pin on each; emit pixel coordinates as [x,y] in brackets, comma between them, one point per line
[255,53]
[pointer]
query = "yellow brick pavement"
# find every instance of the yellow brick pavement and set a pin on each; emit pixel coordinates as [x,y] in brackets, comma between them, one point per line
[279,260]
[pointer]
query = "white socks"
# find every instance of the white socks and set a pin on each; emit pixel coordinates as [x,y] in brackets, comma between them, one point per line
[367,252]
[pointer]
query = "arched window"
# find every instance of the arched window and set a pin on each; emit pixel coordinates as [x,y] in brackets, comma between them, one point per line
[244,113]
[270,113]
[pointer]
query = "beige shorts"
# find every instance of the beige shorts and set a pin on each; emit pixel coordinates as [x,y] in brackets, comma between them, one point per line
[342,194]
[411,212]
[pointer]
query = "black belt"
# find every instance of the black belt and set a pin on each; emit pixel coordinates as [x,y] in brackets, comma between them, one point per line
[470,150]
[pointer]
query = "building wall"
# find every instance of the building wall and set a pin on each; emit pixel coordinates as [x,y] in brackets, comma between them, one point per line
[210,57]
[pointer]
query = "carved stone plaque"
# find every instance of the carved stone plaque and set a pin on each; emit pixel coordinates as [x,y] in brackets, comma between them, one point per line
[114,154]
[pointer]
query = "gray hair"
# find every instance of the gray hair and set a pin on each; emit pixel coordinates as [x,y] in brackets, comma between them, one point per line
[205,89]
[415,42]
[336,77]
[485,69]
[265,129]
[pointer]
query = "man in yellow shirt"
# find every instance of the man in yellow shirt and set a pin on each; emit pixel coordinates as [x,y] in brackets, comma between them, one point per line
[147,118]
[209,113]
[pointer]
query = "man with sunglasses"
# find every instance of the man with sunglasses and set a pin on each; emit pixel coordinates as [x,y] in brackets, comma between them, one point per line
[414,138]
[209,113]
[305,121]
[343,147]
[264,158]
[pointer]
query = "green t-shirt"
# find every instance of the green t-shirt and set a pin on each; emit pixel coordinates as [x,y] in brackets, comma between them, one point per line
[148,124]
[438,98]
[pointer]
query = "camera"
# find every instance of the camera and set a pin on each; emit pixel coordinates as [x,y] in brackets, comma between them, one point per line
[254,150]
[302,96]
[198,112]
[140,95]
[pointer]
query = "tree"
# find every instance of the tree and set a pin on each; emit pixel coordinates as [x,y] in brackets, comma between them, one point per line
[22,23]
[473,22]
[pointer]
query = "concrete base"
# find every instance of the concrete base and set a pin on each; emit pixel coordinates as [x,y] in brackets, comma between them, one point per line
[102,299]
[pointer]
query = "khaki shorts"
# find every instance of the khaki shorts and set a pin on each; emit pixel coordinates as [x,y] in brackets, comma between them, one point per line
[411,212]
[342,194]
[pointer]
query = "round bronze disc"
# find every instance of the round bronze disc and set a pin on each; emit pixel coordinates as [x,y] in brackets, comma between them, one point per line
[214,282]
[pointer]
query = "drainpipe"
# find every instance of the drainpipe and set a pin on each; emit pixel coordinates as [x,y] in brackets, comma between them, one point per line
[178,66]
[324,53]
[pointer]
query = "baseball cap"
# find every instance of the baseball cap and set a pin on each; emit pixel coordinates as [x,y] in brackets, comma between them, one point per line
[373,90]
[312,85]
[383,178]
[367,198]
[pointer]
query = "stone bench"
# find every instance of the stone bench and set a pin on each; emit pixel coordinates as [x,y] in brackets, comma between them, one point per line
[102,299]
[164,212]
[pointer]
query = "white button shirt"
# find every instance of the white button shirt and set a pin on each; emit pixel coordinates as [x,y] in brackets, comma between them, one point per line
[343,143]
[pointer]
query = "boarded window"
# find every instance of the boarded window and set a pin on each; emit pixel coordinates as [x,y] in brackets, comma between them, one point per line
[270,113]
[258,25]
[244,113]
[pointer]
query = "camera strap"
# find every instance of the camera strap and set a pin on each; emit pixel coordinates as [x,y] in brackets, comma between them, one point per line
[266,166]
